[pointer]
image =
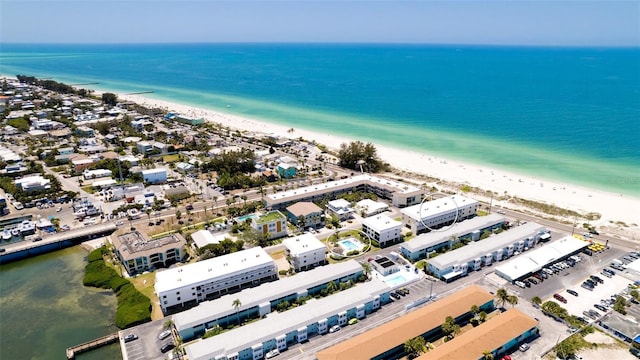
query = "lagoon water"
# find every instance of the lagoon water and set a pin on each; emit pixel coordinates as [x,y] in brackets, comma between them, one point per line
[568,114]
[44,308]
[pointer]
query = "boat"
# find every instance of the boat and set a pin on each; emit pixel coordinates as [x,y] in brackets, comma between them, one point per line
[6,234]
[27,227]
[15,231]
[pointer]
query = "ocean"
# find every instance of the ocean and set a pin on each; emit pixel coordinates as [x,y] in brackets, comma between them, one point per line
[565,114]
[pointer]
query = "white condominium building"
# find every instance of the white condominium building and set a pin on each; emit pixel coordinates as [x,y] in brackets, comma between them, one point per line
[305,252]
[188,285]
[382,229]
[437,213]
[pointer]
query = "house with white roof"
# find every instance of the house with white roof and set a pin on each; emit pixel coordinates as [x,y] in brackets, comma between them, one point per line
[437,213]
[34,182]
[305,252]
[382,229]
[341,208]
[368,207]
[187,285]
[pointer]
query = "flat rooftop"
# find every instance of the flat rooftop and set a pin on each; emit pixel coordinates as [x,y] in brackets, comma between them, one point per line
[439,206]
[490,335]
[218,308]
[488,245]
[381,222]
[394,333]
[269,217]
[303,243]
[136,243]
[429,239]
[277,324]
[211,269]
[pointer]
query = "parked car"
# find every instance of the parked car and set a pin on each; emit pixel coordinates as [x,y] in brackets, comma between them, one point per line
[604,273]
[353,321]
[572,292]
[271,354]
[526,283]
[130,338]
[533,281]
[521,284]
[524,347]
[165,334]
[596,279]
[560,298]
[587,286]
[334,328]
[600,307]
[166,347]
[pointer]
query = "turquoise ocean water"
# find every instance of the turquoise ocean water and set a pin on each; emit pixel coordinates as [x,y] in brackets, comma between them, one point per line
[568,114]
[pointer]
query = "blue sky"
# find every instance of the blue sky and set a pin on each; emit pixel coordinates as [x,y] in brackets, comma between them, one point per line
[575,23]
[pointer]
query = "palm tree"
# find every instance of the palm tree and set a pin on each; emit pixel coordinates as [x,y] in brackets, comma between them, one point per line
[236,305]
[536,300]
[487,355]
[501,297]
[366,267]
[513,300]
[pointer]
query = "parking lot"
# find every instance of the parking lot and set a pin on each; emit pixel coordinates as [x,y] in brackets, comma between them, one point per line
[148,345]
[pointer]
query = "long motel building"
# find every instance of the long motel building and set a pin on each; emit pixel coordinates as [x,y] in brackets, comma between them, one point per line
[400,194]
[472,257]
[262,300]
[283,329]
[424,244]
[437,213]
[185,286]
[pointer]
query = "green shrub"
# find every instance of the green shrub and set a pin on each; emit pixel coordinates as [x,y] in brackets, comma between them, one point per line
[99,275]
[96,254]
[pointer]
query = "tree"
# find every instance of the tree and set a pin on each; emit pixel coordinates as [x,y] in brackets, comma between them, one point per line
[366,268]
[536,300]
[568,348]
[620,304]
[109,99]
[332,287]
[244,198]
[300,222]
[449,327]
[357,154]
[148,211]
[487,355]
[512,300]
[502,297]
[475,310]
[414,347]
[236,306]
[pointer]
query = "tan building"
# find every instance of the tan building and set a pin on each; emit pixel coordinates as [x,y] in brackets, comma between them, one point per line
[139,253]
[312,214]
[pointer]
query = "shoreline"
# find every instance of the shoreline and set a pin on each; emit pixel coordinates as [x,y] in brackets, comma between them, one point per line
[613,207]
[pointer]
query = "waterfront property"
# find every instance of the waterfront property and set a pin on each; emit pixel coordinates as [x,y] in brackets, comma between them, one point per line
[272,224]
[438,213]
[305,252]
[400,194]
[471,229]
[535,260]
[262,300]
[457,263]
[187,285]
[311,213]
[281,330]
[139,253]
[382,230]
[386,341]
[500,335]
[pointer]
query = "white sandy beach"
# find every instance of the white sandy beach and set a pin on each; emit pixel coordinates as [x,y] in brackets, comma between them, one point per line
[612,207]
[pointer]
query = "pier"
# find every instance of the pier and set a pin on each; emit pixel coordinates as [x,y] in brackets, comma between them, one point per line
[89,345]
[140,93]
[89,83]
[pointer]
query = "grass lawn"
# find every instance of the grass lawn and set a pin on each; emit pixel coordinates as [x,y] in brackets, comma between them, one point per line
[144,283]
[170,158]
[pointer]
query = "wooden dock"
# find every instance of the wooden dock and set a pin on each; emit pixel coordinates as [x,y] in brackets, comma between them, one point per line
[140,93]
[89,345]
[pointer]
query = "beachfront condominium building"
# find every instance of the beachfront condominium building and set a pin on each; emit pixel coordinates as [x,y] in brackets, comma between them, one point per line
[281,330]
[273,224]
[312,215]
[382,229]
[186,286]
[400,194]
[139,253]
[457,263]
[423,245]
[386,341]
[259,301]
[305,252]
[438,213]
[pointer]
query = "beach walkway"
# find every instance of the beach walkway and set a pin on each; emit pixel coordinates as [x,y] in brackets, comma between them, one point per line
[78,349]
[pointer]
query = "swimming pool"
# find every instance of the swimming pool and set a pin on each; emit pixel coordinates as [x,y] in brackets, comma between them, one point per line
[350,245]
[242,219]
[395,280]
